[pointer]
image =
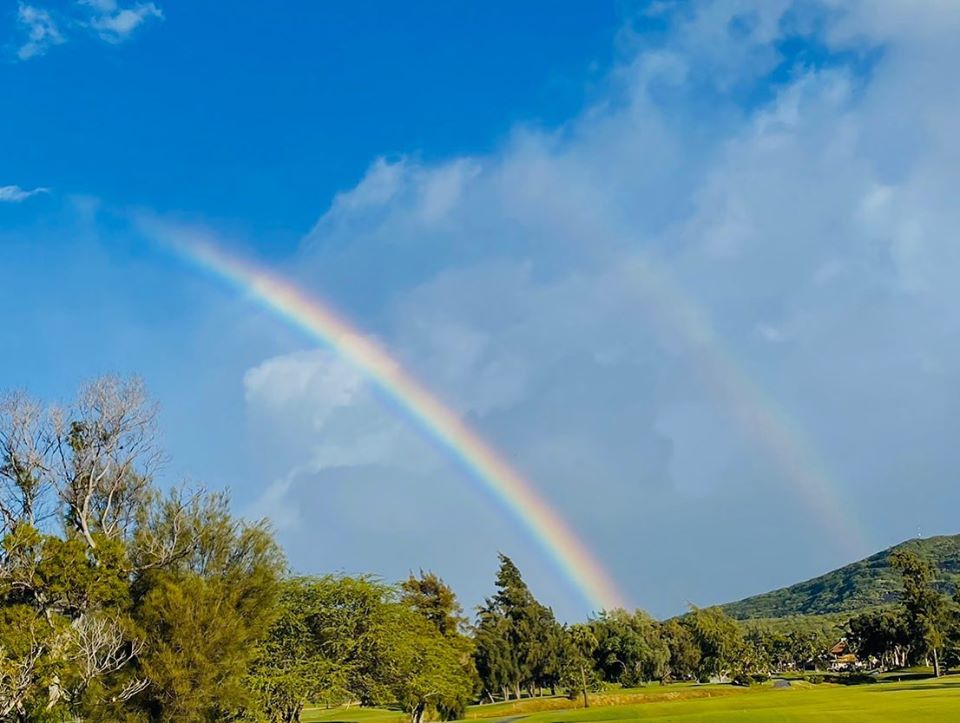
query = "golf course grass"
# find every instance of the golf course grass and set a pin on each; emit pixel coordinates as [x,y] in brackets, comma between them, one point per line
[911,700]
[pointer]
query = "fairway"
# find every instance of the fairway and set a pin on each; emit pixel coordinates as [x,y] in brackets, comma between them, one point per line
[923,700]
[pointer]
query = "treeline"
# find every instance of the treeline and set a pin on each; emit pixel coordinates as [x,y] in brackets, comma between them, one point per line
[122,603]
[924,628]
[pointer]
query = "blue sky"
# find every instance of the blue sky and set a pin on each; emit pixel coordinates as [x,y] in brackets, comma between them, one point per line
[485,188]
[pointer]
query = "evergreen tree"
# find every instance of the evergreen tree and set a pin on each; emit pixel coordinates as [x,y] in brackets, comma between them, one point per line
[432,598]
[513,632]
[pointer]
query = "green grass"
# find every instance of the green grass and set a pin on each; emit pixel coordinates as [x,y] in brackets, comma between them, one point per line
[918,700]
[907,700]
[353,714]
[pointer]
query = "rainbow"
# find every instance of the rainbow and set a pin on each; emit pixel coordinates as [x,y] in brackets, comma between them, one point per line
[571,556]
[677,318]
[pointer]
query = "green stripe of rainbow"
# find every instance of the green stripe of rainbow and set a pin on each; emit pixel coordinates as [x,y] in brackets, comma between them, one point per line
[319,321]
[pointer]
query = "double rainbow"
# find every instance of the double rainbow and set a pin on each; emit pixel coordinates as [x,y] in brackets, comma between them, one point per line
[673,312]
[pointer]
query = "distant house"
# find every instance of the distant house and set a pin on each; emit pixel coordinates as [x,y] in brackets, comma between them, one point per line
[841,659]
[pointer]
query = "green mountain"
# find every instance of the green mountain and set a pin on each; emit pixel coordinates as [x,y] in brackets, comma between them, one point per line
[867,583]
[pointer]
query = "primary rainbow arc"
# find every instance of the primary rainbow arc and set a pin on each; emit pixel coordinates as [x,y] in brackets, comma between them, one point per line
[319,321]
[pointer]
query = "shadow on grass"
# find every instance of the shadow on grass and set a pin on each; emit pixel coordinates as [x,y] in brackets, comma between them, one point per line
[942,685]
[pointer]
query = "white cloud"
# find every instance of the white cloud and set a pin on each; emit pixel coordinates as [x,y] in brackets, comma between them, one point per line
[324,415]
[814,211]
[114,23]
[41,30]
[15,194]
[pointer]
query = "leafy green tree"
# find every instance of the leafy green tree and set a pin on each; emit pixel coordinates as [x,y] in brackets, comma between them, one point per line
[924,606]
[720,640]
[579,673]
[630,649]
[291,669]
[429,671]
[684,652]
[204,617]
[881,634]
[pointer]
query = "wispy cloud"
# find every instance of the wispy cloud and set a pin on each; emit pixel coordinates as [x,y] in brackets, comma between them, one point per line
[107,19]
[113,23]
[41,30]
[15,194]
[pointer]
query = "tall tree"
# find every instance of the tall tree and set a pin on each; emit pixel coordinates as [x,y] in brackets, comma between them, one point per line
[579,670]
[514,616]
[924,605]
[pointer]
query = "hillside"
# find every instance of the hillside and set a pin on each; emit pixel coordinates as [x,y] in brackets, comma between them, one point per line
[862,584]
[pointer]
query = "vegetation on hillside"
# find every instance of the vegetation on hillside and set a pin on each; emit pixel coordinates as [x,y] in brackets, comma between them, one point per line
[867,583]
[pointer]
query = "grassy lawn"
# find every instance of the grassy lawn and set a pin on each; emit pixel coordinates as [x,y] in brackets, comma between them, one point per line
[917,700]
[907,700]
[353,714]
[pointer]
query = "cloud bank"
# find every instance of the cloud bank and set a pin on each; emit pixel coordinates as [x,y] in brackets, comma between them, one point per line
[786,168]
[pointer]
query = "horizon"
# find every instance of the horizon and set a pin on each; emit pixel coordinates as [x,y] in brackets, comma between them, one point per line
[653,296]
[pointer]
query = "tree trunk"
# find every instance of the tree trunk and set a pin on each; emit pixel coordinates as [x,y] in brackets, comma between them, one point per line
[583,682]
[416,715]
[936,664]
[516,690]
[506,693]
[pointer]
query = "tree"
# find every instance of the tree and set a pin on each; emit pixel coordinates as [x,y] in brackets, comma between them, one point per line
[579,671]
[881,634]
[629,649]
[291,670]
[512,629]
[720,641]
[117,602]
[84,466]
[433,599]
[204,617]
[924,606]
[684,651]
[494,656]
[428,671]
